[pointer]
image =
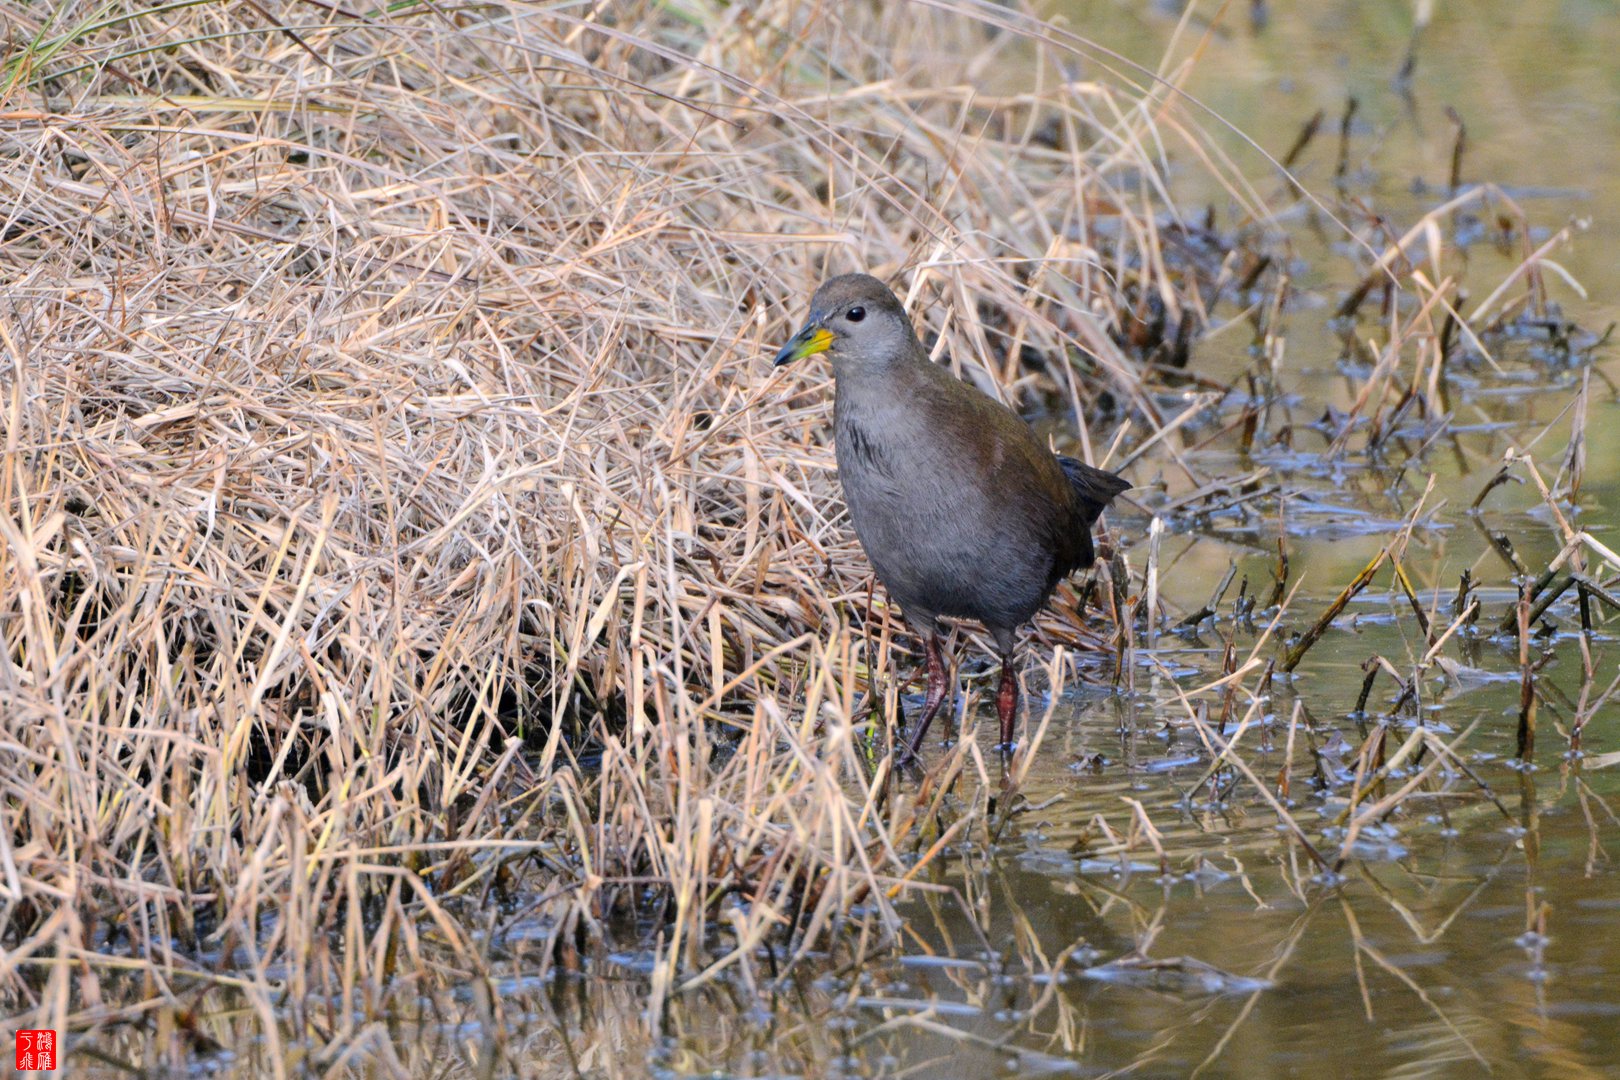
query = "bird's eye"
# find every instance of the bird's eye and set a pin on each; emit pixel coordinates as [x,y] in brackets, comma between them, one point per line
[855,314]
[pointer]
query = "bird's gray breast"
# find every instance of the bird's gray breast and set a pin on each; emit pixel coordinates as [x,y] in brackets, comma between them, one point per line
[940,539]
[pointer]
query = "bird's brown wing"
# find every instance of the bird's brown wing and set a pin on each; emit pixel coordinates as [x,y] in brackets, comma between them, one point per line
[1010,461]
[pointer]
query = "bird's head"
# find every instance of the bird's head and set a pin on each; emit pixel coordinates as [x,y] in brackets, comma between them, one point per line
[855,319]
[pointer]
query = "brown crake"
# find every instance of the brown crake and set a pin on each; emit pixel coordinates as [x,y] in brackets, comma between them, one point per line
[961,509]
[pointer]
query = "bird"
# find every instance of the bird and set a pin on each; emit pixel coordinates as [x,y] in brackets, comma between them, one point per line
[962,511]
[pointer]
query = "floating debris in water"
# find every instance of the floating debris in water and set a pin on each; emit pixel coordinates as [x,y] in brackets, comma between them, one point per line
[1181,975]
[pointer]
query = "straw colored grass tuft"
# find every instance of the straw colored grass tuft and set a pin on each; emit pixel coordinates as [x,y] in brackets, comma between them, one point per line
[387,421]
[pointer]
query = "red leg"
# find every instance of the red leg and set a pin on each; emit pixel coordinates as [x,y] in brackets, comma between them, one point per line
[1007,701]
[936,693]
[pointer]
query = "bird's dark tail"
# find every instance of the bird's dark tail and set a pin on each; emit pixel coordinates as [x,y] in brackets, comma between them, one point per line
[1095,487]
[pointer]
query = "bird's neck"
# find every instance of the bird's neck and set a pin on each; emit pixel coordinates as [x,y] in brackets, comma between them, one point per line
[849,372]
[876,394]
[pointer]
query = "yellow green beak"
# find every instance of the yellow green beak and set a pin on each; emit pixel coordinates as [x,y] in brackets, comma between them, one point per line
[813,339]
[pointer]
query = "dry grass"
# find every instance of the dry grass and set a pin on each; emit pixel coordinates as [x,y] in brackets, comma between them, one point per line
[387,418]
[404,537]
